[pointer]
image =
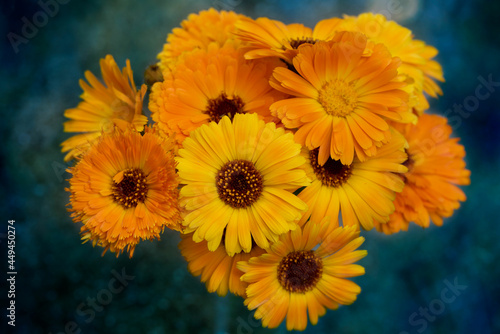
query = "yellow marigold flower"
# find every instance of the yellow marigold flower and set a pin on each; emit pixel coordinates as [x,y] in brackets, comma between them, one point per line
[341,100]
[238,181]
[436,167]
[217,269]
[416,56]
[271,38]
[116,103]
[197,32]
[363,192]
[209,84]
[304,273]
[124,189]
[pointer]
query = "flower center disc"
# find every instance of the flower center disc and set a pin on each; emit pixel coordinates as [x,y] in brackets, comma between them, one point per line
[295,43]
[338,98]
[300,271]
[224,106]
[239,183]
[333,173]
[132,189]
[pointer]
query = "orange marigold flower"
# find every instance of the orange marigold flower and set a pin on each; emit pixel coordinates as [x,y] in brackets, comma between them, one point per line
[124,189]
[116,103]
[361,193]
[341,99]
[271,38]
[217,269]
[197,32]
[209,84]
[436,167]
[305,272]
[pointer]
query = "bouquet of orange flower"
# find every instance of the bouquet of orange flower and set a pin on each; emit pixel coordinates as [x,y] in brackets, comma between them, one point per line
[271,147]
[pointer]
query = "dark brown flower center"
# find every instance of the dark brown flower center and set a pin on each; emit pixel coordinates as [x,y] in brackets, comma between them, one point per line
[300,271]
[132,189]
[224,106]
[409,162]
[239,183]
[295,43]
[333,173]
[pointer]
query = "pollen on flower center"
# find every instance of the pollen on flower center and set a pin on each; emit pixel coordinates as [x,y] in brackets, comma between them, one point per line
[131,189]
[333,173]
[338,98]
[295,43]
[300,271]
[239,183]
[224,106]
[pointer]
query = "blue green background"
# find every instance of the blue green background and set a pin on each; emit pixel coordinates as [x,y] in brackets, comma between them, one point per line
[404,273]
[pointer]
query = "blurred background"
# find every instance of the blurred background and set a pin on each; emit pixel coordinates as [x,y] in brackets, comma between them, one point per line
[62,286]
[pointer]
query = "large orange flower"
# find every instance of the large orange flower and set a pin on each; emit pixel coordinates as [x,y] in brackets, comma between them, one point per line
[436,167]
[124,189]
[209,84]
[116,103]
[341,100]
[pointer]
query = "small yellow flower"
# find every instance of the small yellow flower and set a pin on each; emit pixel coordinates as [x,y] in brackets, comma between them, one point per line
[116,103]
[217,269]
[305,272]
[361,193]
